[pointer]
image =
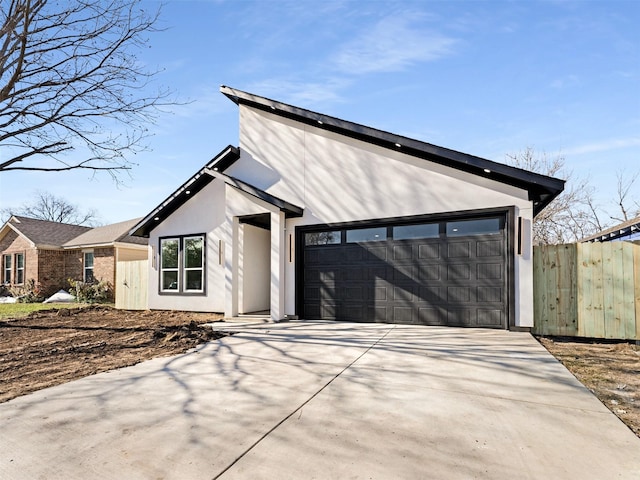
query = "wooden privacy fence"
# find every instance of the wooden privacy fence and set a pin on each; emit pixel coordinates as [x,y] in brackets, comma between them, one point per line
[132,284]
[587,290]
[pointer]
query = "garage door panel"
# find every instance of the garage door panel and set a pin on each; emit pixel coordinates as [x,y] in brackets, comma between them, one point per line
[460,317]
[460,271]
[429,251]
[403,294]
[402,314]
[489,248]
[429,272]
[489,318]
[458,294]
[489,271]
[459,280]
[459,249]
[430,294]
[432,316]
[403,252]
[376,254]
[489,294]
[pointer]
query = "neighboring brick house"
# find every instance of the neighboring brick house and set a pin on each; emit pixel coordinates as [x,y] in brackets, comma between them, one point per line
[51,253]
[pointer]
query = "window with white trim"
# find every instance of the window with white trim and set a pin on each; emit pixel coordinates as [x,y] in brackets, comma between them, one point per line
[6,269]
[182,261]
[19,280]
[88,267]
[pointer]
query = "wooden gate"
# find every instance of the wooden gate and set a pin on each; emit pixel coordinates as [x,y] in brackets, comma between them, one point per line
[132,284]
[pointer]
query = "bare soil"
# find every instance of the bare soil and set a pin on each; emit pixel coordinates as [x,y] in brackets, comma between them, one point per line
[610,370]
[52,347]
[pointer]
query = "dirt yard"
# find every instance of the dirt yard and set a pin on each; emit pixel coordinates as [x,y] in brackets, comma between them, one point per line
[610,370]
[52,347]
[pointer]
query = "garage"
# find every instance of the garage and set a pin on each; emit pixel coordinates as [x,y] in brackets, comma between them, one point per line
[449,271]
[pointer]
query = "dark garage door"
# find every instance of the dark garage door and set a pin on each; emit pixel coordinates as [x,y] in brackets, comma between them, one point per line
[439,273]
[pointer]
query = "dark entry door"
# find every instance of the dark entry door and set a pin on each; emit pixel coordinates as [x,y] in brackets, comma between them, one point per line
[439,273]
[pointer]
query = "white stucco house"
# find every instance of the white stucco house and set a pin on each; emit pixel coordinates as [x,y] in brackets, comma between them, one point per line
[313,217]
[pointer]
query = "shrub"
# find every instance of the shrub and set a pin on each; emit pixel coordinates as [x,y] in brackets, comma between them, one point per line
[91,292]
[30,292]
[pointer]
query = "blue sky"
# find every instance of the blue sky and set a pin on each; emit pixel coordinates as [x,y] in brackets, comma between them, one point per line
[486,78]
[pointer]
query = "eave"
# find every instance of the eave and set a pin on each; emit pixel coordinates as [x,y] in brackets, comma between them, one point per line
[542,189]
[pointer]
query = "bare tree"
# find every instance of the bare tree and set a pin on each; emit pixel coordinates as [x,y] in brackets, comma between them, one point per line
[573,214]
[47,206]
[70,82]
[629,205]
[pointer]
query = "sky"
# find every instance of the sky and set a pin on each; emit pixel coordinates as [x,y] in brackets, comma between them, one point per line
[488,78]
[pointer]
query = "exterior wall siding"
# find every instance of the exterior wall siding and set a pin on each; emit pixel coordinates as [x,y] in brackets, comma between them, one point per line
[335,179]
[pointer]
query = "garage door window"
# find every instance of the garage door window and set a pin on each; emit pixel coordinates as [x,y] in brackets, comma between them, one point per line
[407,232]
[484,226]
[322,238]
[367,235]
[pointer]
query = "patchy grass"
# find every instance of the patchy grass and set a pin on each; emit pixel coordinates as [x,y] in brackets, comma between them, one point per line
[610,370]
[19,310]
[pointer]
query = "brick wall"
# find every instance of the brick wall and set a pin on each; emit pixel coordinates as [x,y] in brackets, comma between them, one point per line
[51,271]
[72,265]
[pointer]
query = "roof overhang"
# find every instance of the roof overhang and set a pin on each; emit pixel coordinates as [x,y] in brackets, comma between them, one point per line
[9,226]
[197,182]
[290,210]
[542,189]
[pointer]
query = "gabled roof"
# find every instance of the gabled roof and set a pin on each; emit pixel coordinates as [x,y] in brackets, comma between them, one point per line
[44,233]
[197,182]
[542,189]
[621,230]
[47,234]
[107,235]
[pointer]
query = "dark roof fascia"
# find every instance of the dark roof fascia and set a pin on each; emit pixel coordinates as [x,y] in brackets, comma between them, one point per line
[197,182]
[289,209]
[542,189]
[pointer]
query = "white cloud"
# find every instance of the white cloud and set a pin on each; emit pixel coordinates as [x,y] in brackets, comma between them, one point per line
[611,144]
[393,44]
[309,94]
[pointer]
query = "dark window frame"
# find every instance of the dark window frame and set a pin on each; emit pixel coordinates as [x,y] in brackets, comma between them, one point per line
[18,273]
[181,269]
[86,268]
[7,271]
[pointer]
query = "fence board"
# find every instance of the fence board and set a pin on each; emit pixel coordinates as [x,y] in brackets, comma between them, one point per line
[588,290]
[636,271]
[132,280]
[628,300]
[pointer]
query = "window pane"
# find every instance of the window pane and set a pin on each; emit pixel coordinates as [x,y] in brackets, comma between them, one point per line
[7,261]
[169,253]
[193,252]
[88,260]
[88,275]
[485,226]
[170,280]
[194,280]
[427,230]
[367,234]
[19,261]
[322,238]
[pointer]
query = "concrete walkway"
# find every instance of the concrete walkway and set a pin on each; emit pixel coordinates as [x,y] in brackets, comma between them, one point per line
[327,401]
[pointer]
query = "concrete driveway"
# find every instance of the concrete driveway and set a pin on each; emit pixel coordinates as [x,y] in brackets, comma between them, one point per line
[327,401]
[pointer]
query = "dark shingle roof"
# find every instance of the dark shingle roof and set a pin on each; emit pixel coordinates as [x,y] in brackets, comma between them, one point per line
[46,233]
